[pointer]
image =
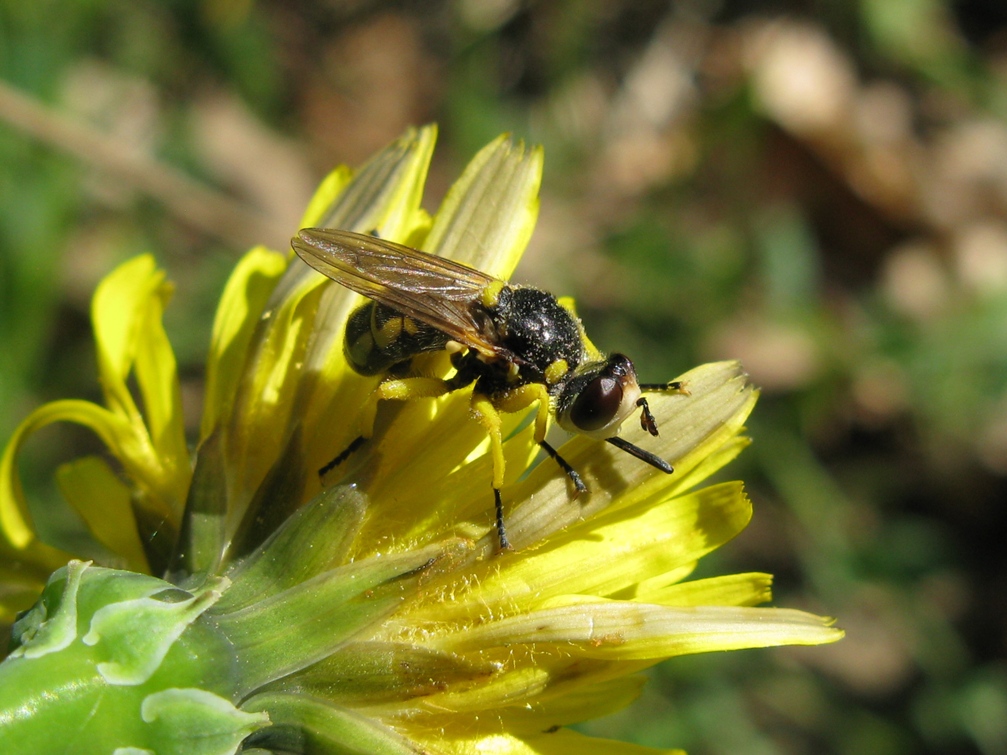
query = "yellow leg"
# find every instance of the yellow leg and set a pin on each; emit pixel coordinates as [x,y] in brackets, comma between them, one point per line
[525,396]
[487,412]
[522,397]
[398,389]
[488,416]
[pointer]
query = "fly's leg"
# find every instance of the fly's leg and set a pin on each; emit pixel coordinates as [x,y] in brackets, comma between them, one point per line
[392,389]
[501,530]
[343,455]
[675,386]
[570,472]
[487,412]
[526,395]
[655,461]
[647,421]
[489,417]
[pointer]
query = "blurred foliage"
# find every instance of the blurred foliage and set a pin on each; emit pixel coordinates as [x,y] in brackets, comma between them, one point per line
[817,188]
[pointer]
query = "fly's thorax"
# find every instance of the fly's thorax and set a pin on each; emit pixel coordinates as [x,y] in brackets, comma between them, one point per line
[379,338]
[530,324]
[597,397]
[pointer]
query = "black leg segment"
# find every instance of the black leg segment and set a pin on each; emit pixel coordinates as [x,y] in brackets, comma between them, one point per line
[569,471]
[501,530]
[655,461]
[357,443]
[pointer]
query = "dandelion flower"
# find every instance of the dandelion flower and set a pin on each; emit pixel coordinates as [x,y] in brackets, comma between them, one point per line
[237,604]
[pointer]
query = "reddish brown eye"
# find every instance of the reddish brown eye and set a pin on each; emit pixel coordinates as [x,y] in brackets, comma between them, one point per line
[597,404]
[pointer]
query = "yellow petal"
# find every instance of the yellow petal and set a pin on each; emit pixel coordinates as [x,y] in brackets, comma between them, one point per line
[634,631]
[422,484]
[572,701]
[692,428]
[325,196]
[489,213]
[295,368]
[727,590]
[23,574]
[118,311]
[566,742]
[383,196]
[515,687]
[242,302]
[562,742]
[105,504]
[386,192]
[265,396]
[126,315]
[114,430]
[711,463]
[157,378]
[609,553]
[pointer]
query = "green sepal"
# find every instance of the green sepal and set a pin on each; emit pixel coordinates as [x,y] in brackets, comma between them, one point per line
[51,624]
[137,634]
[289,631]
[96,648]
[314,539]
[77,590]
[310,726]
[203,537]
[196,722]
[373,673]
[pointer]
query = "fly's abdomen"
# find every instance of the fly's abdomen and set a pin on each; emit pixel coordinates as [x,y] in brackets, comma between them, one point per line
[379,338]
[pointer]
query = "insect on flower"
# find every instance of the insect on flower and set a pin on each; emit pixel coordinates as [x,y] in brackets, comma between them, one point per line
[518,345]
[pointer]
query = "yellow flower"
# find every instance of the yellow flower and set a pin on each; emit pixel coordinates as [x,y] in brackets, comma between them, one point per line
[375,612]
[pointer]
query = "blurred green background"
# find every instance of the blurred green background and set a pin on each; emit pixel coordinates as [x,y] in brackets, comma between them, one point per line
[816,188]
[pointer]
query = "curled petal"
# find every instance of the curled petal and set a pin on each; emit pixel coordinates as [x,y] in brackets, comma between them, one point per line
[121,437]
[126,313]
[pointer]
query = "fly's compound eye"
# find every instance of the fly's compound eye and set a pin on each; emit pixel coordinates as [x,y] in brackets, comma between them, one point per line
[597,404]
[596,400]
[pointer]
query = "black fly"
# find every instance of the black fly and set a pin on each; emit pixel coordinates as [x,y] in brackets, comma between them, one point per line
[516,345]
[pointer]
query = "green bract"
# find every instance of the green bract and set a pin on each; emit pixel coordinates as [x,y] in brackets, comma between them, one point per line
[120,662]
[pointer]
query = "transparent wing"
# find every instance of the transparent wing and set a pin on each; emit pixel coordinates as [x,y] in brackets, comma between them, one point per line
[444,294]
